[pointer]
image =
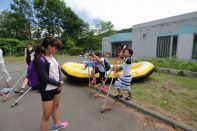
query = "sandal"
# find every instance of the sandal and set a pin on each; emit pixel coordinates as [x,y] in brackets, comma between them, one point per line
[118,96]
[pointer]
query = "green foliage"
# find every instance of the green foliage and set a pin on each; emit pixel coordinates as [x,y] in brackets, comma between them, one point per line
[101,26]
[125,30]
[18,22]
[40,18]
[15,47]
[75,51]
[90,42]
[48,14]
[11,46]
[70,47]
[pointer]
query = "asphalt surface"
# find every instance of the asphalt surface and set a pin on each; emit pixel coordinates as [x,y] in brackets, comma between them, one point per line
[77,107]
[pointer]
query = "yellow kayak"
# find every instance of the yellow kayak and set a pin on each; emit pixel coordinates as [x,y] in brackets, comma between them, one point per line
[77,71]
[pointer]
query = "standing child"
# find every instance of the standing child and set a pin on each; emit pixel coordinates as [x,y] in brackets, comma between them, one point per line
[29,56]
[3,69]
[51,84]
[124,80]
[99,68]
[29,53]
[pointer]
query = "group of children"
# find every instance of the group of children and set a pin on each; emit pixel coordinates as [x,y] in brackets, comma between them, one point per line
[123,82]
[48,71]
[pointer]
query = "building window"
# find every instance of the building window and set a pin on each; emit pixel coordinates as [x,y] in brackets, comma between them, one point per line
[174,45]
[163,47]
[194,53]
[144,36]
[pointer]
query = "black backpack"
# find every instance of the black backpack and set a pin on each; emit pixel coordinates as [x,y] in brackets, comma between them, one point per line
[106,64]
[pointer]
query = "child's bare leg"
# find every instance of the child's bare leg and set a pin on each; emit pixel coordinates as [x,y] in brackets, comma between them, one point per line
[119,92]
[93,74]
[22,89]
[129,94]
[25,82]
[93,81]
[129,97]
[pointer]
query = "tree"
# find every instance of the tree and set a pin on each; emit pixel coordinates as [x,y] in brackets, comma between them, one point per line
[7,25]
[125,30]
[33,19]
[54,18]
[90,42]
[72,25]
[23,14]
[101,26]
[17,23]
[49,15]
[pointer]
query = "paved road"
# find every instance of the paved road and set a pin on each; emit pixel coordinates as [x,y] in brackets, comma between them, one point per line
[77,107]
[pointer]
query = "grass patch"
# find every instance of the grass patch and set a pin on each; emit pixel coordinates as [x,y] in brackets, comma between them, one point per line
[174,96]
[58,56]
[9,59]
[172,63]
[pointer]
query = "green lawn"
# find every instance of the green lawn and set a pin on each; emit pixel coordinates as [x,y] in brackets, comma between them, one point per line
[174,96]
[172,63]
[9,59]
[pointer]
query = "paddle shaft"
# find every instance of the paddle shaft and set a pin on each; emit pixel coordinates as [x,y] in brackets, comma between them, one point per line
[115,73]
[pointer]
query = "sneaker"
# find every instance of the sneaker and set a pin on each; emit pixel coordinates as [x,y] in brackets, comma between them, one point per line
[118,96]
[104,88]
[5,90]
[60,126]
[128,98]
[21,90]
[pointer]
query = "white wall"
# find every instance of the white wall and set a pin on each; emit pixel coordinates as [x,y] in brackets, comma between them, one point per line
[106,44]
[185,46]
[146,47]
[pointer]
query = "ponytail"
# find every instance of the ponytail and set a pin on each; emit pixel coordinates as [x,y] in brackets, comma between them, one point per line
[39,51]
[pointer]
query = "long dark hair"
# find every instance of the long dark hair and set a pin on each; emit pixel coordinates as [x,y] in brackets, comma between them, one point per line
[50,40]
[39,51]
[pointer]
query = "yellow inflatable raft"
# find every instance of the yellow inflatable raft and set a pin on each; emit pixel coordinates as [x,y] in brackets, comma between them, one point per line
[77,71]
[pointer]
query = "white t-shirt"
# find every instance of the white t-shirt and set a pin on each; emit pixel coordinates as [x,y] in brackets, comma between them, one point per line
[53,71]
[127,66]
[100,65]
[1,56]
[32,55]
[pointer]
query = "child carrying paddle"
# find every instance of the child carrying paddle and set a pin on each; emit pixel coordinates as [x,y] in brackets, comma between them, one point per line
[99,67]
[124,80]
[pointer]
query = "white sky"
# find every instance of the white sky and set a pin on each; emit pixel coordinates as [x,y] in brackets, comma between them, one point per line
[126,13]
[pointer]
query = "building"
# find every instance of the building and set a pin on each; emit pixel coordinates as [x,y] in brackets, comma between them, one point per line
[113,44]
[170,37]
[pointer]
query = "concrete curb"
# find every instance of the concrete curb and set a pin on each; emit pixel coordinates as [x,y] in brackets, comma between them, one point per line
[154,114]
[176,72]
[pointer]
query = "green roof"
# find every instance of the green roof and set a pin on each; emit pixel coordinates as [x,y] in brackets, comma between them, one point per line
[186,29]
[121,37]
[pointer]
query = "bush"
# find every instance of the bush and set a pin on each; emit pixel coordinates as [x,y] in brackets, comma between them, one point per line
[76,51]
[13,46]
